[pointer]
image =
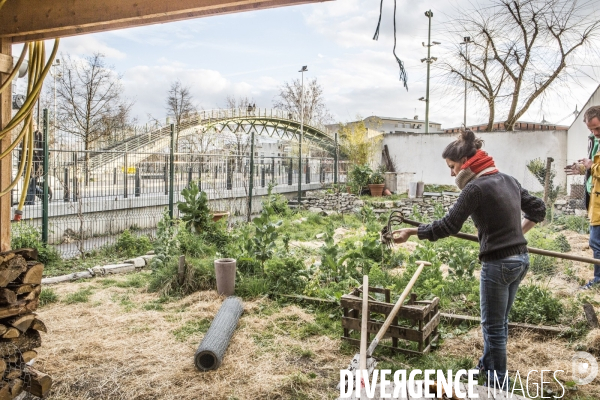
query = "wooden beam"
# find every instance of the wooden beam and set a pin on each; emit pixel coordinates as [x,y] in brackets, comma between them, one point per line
[6,64]
[5,163]
[41,19]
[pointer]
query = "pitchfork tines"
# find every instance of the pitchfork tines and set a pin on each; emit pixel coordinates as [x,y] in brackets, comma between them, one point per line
[396,218]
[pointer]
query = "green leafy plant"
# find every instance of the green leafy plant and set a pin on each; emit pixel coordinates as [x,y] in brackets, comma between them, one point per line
[561,243]
[535,304]
[542,239]
[264,237]
[166,245]
[27,236]
[287,275]
[376,178]
[196,213]
[358,177]
[460,257]
[276,203]
[573,223]
[130,245]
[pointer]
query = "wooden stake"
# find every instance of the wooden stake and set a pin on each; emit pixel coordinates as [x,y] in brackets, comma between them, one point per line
[181,270]
[364,323]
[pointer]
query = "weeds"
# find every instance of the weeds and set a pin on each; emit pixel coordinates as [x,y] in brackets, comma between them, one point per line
[48,296]
[24,235]
[80,296]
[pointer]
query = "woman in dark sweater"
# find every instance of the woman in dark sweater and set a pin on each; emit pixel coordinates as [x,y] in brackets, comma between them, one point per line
[494,201]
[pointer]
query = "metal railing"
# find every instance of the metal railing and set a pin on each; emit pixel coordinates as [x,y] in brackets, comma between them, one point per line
[89,208]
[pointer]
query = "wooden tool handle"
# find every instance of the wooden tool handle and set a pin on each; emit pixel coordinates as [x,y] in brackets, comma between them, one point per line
[532,250]
[364,321]
[397,306]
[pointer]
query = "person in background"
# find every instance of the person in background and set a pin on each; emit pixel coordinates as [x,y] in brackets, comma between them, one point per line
[590,167]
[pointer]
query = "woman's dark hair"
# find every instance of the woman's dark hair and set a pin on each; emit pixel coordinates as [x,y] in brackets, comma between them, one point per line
[465,146]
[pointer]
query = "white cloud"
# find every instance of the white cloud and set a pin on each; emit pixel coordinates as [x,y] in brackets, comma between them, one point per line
[89,44]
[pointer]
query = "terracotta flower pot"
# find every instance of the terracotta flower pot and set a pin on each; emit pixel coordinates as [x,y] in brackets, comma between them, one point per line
[217,215]
[376,189]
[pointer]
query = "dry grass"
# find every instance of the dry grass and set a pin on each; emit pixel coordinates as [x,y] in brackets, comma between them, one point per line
[100,350]
[527,351]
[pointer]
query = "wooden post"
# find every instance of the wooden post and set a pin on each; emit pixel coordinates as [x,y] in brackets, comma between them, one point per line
[547,188]
[181,270]
[5,164]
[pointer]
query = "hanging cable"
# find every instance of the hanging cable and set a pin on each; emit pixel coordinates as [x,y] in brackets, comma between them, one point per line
[376,36]
[403,76]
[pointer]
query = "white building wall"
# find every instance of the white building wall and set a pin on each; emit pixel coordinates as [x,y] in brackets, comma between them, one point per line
[421,154]
[577,141]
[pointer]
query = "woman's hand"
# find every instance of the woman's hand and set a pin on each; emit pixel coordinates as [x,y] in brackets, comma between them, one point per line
[402,235]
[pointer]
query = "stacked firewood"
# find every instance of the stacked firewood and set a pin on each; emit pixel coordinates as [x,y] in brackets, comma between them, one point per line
[20,288]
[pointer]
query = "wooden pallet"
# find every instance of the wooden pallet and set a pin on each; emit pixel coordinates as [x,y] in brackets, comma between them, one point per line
[423,319]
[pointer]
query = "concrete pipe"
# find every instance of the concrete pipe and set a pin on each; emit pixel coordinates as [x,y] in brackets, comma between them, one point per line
[212,348]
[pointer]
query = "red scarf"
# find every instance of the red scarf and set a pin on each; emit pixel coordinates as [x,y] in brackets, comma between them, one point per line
[479,162]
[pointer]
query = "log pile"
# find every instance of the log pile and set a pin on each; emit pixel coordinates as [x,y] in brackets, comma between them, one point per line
[20,288]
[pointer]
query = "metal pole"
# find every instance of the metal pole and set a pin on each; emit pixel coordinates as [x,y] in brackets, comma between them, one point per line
[335,160]
[45,166]
[125,180]
[171,170]
[138,183]
[466,70]
[429,14]
[301,136]
[251,174]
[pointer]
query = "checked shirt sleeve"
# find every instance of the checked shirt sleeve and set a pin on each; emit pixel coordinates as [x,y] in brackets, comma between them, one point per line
[468,201]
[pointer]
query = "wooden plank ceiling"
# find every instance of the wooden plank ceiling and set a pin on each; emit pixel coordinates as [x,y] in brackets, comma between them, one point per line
[25,20]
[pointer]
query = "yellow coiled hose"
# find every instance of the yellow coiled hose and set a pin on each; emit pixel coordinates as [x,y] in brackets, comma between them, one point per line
[37,71]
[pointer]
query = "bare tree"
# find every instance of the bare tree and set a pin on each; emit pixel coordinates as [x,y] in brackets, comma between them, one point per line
[521,48]
[89,101]
[179,105]
[289,99]
[481,73]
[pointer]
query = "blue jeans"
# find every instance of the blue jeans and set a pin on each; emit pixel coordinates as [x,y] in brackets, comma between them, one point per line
[500,280]
[595,246]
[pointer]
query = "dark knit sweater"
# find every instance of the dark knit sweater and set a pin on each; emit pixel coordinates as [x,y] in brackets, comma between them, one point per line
[494,202]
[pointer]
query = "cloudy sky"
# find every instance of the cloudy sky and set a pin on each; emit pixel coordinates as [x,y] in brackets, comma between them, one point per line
[252,53]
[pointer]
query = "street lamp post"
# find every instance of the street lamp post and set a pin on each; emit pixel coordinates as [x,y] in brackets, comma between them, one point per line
[302,71]
[466,41]
[429,60]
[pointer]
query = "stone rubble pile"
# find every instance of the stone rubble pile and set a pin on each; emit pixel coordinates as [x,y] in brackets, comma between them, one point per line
[327,203]
[570,207]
